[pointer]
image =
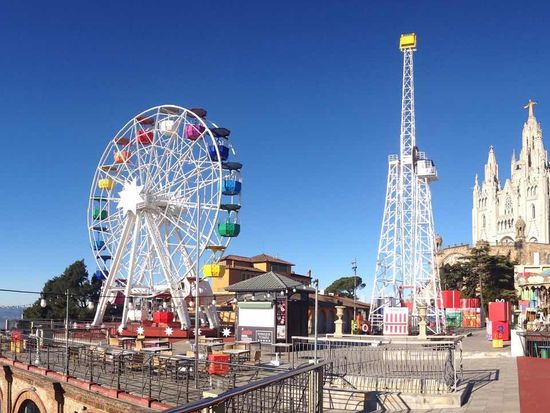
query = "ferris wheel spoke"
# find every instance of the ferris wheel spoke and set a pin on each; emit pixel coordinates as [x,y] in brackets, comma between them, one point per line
[162,255]
[109,175]
[131,268]
[114,269]
[191,232]
[185,254]
[195,173]
[177,166]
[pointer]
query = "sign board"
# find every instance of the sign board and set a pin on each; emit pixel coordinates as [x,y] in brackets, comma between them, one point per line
[396,321]
[264,336]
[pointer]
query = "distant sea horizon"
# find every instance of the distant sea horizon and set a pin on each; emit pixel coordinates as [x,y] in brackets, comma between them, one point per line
[13,312]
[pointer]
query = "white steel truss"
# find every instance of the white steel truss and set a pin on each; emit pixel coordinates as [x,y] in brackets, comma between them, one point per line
[406,270]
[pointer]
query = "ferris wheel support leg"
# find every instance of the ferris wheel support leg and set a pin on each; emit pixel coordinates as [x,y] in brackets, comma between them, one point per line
[210,309]
[131,269]
[102,305]
[175,291]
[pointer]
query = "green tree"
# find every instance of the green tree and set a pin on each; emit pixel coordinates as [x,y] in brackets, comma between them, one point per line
[345,286]
[82,290]
[453,275]
[482,275]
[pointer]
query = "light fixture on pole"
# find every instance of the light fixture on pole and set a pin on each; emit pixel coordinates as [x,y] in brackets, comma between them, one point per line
[197,302]
[354,268]
[67,294]
[316,315]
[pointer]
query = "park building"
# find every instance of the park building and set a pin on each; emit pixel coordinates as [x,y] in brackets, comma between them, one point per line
[260,271]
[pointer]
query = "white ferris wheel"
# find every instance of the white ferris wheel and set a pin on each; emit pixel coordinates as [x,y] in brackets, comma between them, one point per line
[165,199]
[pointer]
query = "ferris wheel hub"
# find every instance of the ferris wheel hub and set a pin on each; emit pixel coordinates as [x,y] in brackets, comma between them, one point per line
[130,197]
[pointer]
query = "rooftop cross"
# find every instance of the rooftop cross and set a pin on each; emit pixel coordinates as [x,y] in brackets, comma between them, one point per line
[529,106]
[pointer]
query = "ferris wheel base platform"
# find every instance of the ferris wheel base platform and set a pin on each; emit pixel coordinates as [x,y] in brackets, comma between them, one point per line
[161,330]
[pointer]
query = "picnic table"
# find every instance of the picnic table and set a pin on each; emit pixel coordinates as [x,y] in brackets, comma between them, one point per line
[237,355]
[276,353]
[156,349]
[155,343]
[126,341]
[213,340]
[248,343]
[211,346]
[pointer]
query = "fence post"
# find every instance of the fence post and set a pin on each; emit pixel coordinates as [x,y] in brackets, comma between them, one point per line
[118,364]
[150,375]
[91,358]
[48,357]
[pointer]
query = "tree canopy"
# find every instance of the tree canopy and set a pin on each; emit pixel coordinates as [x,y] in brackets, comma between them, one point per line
[82,290]
[495,274]
[345,286]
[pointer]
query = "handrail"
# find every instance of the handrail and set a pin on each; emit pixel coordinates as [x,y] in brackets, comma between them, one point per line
[204,403]
[386,339]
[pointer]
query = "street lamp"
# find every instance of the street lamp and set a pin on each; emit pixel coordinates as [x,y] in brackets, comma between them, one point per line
[316,284]
[89,305]
[354,268]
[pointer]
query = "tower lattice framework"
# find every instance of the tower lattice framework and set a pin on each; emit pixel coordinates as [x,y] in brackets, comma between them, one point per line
[406,269]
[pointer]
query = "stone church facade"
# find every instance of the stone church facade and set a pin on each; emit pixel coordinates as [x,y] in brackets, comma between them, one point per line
[512,219]
[518,210]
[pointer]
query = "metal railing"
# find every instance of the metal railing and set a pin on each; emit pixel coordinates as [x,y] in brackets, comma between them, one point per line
[371,364]
[168,379]
[536,343]
[296,391]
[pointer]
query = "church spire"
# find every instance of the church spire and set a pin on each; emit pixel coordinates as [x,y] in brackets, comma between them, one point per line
[529,106]
[491,168]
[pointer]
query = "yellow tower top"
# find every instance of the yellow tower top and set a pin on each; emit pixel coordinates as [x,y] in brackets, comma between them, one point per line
[407,41]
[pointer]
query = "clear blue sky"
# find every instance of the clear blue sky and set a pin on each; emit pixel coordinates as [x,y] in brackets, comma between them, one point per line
[310,90]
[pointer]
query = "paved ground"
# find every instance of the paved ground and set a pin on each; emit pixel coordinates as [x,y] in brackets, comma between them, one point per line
[493,376]
[534,384]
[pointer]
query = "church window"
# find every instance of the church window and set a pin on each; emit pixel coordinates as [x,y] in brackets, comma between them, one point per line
[508,209]
[483,221]
[532,211]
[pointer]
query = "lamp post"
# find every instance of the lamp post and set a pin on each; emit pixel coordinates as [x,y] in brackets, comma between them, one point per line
[67,293]
[354,268]
[316,315]
[197,277]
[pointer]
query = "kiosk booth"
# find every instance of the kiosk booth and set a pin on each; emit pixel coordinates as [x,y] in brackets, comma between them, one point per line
[271,308]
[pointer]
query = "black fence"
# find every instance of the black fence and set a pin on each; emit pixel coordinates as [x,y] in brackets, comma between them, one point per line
[299,390]
[165,378]
[536,343]
[374,364]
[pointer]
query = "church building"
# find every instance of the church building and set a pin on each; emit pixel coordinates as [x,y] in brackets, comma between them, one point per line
[519,210]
